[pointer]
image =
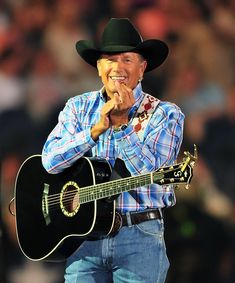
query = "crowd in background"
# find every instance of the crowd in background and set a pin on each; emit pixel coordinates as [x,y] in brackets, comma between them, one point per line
[40,70]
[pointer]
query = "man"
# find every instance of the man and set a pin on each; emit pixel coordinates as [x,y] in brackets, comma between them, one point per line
[121,122]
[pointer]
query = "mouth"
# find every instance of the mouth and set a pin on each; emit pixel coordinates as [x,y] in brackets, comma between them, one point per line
[120,79]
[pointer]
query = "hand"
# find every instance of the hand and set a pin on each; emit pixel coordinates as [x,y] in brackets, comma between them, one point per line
[104,122]
[123,101]
[115,111]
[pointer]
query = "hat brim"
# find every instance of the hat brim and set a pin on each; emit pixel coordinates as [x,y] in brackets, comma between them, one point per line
[154,51]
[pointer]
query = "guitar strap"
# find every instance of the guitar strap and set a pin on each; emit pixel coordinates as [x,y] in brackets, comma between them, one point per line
[119,171]
[144,114]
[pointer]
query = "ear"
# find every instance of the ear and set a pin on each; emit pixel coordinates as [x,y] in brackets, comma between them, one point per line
[143,67]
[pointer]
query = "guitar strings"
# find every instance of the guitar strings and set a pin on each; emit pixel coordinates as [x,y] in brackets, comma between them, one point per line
[69,200]
[93,192]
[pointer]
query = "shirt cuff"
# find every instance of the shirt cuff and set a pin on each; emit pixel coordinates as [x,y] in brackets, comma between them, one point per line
[86,138]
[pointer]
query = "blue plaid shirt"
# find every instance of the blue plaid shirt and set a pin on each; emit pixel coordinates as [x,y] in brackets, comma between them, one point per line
[71,139]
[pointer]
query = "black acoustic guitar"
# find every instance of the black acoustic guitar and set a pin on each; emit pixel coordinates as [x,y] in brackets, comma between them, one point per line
[56,213]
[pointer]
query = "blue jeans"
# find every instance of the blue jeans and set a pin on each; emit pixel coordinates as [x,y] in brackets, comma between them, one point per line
[137,254]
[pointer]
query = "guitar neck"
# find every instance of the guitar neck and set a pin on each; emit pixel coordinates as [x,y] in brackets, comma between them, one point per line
[180,173]
[115,187]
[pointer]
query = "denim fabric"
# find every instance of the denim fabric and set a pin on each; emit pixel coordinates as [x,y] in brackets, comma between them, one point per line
[137,254]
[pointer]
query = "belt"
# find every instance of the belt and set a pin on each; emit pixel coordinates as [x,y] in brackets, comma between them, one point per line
[135,217]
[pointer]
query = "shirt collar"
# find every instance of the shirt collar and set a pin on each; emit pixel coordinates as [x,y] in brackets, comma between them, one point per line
[101,93]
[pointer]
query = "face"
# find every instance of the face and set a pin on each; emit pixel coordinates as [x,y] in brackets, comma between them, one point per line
[128,68]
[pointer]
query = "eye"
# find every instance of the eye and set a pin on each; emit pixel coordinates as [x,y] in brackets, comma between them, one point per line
[110,60]
[128,60]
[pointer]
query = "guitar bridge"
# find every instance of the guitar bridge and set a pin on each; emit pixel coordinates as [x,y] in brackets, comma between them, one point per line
[45,209]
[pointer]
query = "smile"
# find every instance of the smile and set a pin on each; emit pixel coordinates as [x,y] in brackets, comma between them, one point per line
[117,78]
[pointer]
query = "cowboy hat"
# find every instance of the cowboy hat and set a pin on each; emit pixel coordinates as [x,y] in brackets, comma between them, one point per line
[121,36]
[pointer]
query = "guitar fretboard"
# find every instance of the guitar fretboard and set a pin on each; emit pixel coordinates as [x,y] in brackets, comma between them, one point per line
[115,187]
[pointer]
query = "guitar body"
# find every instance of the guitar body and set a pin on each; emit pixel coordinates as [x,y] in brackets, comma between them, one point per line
[50,224]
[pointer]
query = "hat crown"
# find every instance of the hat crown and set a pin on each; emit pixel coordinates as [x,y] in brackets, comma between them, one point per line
[120,32]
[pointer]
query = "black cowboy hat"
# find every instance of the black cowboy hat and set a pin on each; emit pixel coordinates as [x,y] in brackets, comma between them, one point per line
[121,36]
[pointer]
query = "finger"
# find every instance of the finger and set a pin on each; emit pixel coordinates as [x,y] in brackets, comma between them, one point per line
[127,95]
[108,107]
[120,87]
[126,88]
[130,94]
[121,91]
[117,98]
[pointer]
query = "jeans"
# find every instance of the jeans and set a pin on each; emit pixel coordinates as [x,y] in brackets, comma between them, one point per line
[136,254]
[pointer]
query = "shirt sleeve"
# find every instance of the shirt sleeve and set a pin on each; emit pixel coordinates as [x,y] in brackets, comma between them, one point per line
[67,142]
[160,145]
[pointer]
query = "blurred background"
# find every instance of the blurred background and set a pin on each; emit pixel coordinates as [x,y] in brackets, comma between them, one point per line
[40,70]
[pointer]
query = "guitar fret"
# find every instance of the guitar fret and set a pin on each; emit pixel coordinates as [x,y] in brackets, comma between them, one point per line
[168,175]
[103,190]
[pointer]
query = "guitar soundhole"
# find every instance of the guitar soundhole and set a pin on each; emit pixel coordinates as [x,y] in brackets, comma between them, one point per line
[69,200]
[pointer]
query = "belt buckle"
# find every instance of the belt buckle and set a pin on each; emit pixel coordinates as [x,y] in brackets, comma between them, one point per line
[117,225]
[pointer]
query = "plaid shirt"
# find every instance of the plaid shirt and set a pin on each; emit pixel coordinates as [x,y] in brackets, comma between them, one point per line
[71,139]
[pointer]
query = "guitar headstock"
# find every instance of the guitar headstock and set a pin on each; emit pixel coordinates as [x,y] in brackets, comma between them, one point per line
[180,173]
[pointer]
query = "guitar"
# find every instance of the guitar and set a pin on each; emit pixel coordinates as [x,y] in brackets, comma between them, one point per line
[56,213]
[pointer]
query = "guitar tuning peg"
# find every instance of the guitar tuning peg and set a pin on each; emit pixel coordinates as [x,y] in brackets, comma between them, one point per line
[194,156]
[192,163]
[191,158]
[187,186]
